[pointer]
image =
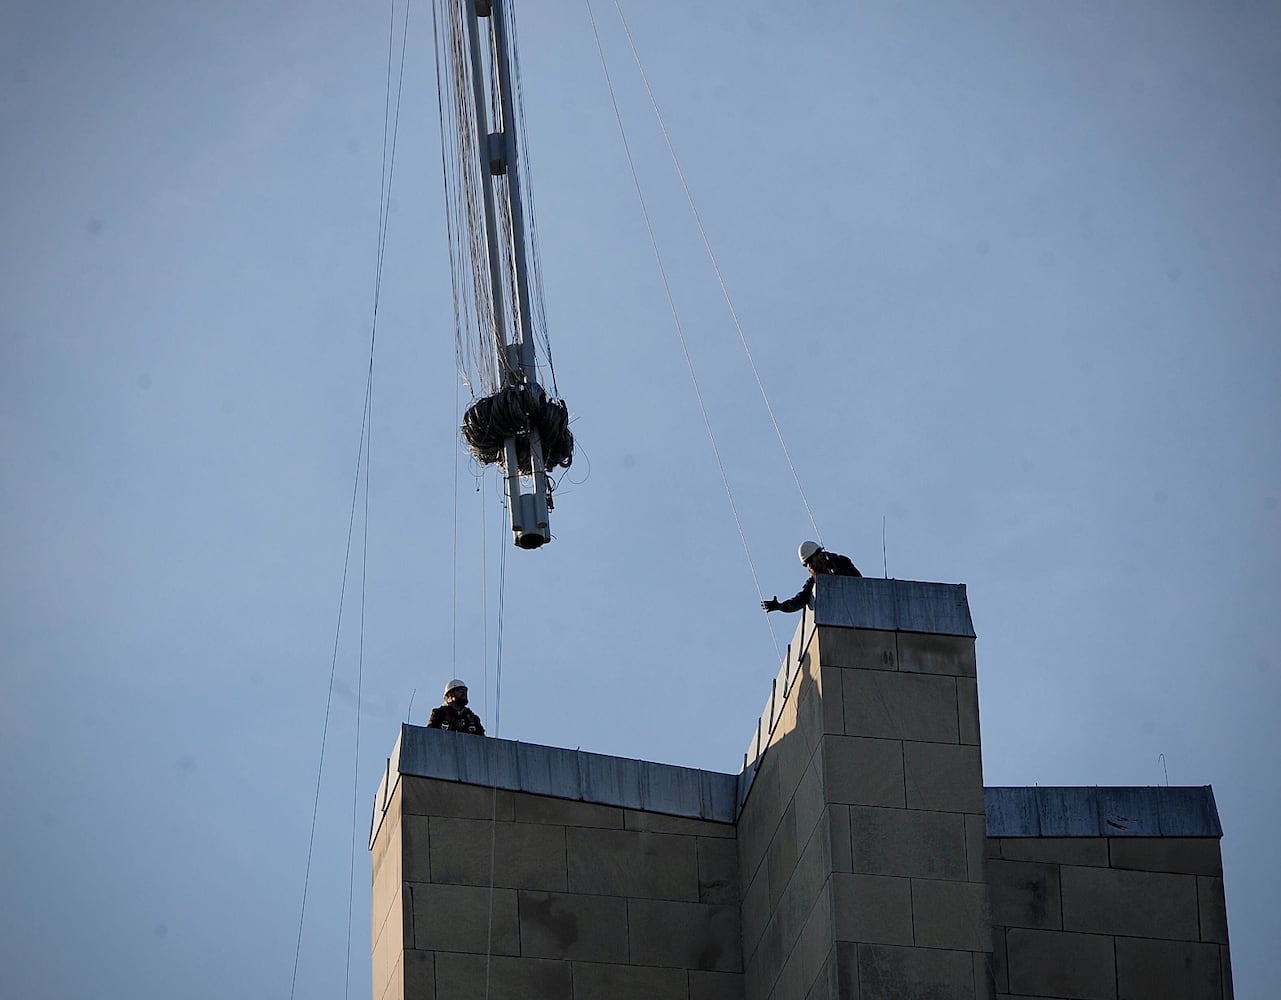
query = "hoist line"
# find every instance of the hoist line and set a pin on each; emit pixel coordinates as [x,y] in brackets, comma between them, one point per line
[720,278]
[453,594]
[680,332]
[324,732]
[386,172]
[360,673]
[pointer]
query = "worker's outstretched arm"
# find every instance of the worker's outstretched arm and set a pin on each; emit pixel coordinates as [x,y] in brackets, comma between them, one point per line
[794,603]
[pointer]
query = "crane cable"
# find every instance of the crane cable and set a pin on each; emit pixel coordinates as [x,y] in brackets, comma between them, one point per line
[362,455]
[720,278]
[676,320]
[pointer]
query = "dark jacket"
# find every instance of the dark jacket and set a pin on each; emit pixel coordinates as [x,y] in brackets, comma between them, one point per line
[837,565]
[459,720]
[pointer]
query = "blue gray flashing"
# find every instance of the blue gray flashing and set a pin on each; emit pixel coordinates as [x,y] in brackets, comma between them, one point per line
[893,605]
[563,774]
[1040,811]
[1102,812]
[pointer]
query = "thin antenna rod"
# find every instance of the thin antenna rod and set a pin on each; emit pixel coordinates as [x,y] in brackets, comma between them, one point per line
[885,559]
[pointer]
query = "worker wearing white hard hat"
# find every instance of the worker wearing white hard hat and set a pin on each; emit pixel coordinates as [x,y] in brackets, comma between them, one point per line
[454,715]
[819,562]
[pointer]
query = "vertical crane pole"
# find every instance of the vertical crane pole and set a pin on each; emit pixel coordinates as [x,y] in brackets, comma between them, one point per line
[516,361]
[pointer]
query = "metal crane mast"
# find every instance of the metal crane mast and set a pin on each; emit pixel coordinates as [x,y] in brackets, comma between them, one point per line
[516,425]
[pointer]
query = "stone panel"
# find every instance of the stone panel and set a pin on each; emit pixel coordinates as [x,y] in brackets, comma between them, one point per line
[1102,901]
[815,943]
[839,838]
[715,985]
[523,855]
[809,796]
[976,845]
[1054,850]
[896,706]
[420,975]
[1000,965]
[951,915]
[967,707]
[791,983]
[781,857]
[809,706]
[755,911]
[857,648]
[787,920]
[632,863]
[759,818]
[433,797]
[1212,909]
[456,918]
[1171,970]
[416,831]
[908,842]
[684,935]
[1058,964]
[943,776]
[394,987]
[717,870]
[627,982]
[936,654]
[1186,855]
[865,772]
[833,702]
[568,926]
[385,958]
[825,986]
[463,977]
[876,909]
[387,875]
[387,845]
[984,976]
[1025,894]
[887,972]
[636,819]
[565,812]
[791,756]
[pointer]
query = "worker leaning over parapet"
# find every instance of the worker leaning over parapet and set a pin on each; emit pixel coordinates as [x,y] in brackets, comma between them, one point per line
[819,562]
[454,715]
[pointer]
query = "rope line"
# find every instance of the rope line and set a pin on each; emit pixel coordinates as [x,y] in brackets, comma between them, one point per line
[324,732]
[385,181]
[360,673]
[680,332]
[720,278]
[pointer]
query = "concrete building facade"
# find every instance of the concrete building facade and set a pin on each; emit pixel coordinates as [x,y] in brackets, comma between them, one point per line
[857,855]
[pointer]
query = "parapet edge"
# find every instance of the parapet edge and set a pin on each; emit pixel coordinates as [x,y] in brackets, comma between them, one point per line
[556,772]
[1102,811]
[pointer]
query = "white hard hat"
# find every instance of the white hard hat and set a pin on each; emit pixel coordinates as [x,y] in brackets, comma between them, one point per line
[807,550]
[455,683]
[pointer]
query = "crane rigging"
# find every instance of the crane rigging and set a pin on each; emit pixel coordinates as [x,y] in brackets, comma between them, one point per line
[499,320]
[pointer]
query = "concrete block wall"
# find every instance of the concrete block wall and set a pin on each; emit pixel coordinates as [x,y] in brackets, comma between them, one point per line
[903,785]
[588,900]
[1109,918]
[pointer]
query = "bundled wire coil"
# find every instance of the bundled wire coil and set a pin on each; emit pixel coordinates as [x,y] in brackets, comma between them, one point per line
[514,412]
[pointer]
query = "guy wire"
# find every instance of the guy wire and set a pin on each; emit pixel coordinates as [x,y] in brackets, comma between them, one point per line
[680,333]
[360,672]
[386,173]
[720,278]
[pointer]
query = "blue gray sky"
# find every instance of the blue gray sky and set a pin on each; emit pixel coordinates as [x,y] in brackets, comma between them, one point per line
[1010,272]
